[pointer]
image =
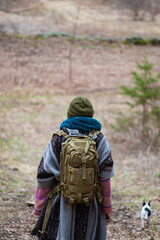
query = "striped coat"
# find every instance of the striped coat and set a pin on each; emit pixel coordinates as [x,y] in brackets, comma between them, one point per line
[80,222]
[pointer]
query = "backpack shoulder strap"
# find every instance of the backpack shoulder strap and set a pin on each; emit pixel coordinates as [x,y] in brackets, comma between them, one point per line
[94,132]
[91,134]
[61,133]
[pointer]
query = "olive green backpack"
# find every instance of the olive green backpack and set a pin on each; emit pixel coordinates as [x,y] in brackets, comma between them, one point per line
[79,172]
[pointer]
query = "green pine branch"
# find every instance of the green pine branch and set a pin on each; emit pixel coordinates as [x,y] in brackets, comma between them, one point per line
[145,92]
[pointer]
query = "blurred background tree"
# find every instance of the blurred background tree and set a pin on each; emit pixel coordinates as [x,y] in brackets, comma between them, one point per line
[145,93]
[139,8]
[16,6]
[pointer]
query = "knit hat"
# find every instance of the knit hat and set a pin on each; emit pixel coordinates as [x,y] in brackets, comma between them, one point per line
[80,106]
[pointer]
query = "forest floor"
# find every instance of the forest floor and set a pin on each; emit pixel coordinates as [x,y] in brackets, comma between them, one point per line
[35,91]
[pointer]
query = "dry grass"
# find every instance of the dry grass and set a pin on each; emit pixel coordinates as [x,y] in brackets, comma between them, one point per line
[35,93]
[38,63]
[28,120]
[94,19]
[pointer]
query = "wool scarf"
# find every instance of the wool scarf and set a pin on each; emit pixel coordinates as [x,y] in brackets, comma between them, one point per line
[81,123]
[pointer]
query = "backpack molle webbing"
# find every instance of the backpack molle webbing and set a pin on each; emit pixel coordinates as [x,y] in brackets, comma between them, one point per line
[79,173]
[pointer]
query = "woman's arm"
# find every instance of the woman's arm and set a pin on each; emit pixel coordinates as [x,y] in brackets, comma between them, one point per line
[107,202]
[48,172]
[106,172]
[40,198]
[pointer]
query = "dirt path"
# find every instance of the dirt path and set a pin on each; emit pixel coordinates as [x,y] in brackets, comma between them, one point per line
[35,92]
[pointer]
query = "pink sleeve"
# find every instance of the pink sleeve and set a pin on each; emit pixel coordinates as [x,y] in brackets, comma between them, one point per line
[40,198]
[106,194]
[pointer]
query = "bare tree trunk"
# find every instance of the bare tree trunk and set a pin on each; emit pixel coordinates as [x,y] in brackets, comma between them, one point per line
[145,132]
[70,75]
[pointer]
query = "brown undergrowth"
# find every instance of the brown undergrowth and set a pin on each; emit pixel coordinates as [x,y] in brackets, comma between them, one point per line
[35,93]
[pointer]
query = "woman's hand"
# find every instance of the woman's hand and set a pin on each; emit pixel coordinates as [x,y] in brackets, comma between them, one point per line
[108,218]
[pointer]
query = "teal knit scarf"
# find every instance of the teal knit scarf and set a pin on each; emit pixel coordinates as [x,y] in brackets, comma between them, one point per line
[81,123]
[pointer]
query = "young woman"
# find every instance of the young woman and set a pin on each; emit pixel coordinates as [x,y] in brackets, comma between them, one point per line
[78,221]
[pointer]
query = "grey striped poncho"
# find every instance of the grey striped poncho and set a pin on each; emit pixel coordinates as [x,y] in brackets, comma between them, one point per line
[80,222]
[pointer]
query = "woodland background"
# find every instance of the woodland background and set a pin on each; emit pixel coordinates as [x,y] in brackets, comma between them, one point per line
[52,51]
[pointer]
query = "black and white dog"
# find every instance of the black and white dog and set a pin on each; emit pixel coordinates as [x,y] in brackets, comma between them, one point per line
[146,213]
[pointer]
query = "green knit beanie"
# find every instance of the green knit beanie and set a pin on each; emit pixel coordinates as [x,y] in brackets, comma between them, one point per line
[80,106]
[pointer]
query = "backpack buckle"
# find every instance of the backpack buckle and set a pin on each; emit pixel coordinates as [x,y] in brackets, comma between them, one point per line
[42,234]
[86,201]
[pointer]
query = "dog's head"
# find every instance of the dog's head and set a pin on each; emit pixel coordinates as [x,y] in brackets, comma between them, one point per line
[144,203]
